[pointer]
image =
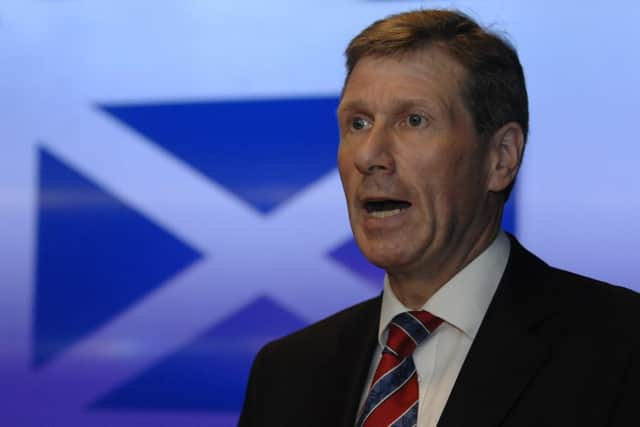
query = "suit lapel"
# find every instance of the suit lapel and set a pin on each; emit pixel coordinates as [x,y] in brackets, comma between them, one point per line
[506,353]
[353,358]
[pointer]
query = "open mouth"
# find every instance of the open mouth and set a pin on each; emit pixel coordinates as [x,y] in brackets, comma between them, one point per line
[385,208]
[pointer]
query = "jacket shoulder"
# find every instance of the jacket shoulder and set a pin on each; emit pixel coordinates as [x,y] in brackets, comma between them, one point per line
[607,305]
[577,296]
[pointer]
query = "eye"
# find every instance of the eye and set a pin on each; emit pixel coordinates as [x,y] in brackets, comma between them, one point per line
[415,120]
[359,123]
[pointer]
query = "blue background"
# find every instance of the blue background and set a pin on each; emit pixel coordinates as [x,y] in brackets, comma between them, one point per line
[169,200]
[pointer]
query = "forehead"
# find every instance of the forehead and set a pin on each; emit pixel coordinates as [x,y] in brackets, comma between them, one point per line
[428,76]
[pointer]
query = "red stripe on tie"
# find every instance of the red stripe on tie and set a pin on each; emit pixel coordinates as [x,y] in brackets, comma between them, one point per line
[400,341]
[395,405]
[427,319]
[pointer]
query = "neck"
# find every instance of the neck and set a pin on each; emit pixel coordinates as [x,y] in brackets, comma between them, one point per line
[414,288]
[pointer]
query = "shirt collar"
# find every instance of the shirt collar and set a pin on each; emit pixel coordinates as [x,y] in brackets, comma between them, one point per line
[463,301]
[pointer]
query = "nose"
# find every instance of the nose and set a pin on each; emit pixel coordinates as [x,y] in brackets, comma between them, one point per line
[373,155]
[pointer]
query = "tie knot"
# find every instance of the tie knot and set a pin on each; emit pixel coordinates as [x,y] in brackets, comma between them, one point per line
[407,330]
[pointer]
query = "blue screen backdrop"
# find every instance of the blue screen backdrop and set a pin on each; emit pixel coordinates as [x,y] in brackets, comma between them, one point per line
[169,199]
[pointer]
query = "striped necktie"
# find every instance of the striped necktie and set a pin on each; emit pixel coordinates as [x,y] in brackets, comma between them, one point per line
[393,396]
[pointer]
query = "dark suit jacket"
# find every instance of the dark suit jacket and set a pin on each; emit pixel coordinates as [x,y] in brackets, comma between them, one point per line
[554,349]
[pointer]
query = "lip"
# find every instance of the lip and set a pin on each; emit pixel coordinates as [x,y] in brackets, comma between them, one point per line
[372,221]
[372,224]
[366,199]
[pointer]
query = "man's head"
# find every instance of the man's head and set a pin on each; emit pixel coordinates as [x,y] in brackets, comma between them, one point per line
[433,118]
[493,90]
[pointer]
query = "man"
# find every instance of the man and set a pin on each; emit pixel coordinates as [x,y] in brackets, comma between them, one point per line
[471,329]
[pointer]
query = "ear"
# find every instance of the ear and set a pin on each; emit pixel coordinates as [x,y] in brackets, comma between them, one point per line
[506,147]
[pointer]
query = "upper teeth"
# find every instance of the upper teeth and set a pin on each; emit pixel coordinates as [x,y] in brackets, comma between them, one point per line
[384,214]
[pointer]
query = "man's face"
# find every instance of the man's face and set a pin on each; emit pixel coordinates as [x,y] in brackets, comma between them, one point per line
[414,169]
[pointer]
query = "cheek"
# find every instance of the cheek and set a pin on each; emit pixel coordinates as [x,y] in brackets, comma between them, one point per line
[345,155]
[439,187]
[459,167]
[343,167]
[430,176]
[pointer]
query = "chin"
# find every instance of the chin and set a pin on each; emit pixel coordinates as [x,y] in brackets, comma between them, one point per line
[388,257]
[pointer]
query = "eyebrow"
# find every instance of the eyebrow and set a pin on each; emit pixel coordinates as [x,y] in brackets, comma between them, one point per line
[399,104]
[351,106]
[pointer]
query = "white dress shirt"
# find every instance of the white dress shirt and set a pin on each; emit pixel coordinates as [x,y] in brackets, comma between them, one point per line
[462,303]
